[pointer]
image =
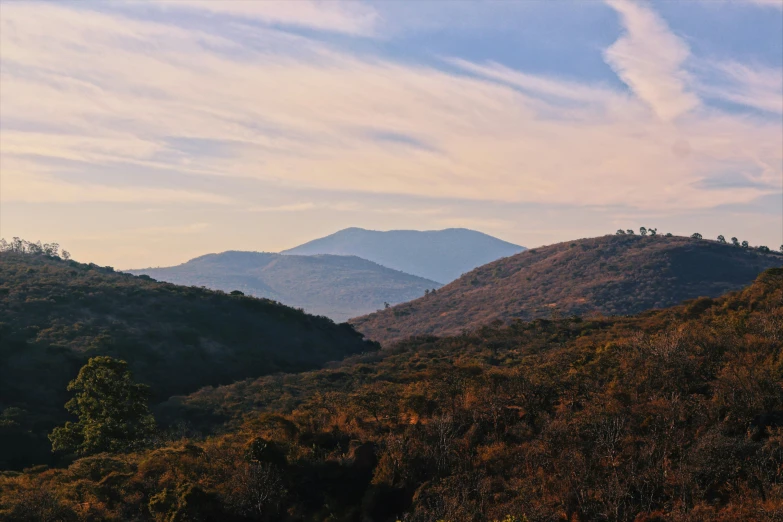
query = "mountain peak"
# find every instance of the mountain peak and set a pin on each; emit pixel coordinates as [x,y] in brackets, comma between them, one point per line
[439,255]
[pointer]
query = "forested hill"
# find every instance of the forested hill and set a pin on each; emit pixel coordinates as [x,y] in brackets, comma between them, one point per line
[339,287]
[55,314]
[671,415]
[440,255]
[610,275]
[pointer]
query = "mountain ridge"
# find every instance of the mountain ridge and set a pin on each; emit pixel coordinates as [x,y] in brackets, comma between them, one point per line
[438,255]
[324,284]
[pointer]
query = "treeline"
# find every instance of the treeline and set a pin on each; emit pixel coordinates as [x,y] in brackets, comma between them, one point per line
[21,246]
[671,415]
[643,231]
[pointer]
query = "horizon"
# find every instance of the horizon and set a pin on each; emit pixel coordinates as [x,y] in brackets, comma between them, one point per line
[148,134]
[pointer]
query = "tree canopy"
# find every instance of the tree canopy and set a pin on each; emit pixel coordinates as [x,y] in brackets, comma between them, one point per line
[112,410]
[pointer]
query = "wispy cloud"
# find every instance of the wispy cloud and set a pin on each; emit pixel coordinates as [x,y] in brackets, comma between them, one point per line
[339,16]
[650,58]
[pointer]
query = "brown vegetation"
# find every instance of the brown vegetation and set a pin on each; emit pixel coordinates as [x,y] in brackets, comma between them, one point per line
[610,275]
[669,415]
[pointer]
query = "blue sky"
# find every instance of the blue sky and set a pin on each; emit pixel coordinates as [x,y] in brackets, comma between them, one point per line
[147,133]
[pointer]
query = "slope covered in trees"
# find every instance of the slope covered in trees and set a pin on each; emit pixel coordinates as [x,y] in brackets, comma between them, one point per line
[440,255]
[55,314]
[339,287]
[610,275]
[674,414]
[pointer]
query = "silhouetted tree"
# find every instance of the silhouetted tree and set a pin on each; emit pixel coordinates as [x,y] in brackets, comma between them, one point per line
[620,232]
[721,239]
[652,231]
[669,234]
[630,232]
[112,410]
[763,248]
[642,231]
[745,244]
[735,242]
[696,235]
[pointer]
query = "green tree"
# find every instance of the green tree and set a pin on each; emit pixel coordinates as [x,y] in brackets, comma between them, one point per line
[721,239]
[112,410]
[642,231]
[735,241]
[696,235]
[652,231]
[620,232]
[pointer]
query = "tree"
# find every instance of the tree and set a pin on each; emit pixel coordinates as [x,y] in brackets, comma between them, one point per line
[763,248]
[630,232]
[745,244]
[652,231]
[112,410]
[781,248]
[735,242]
[669,234]
[696,235]
[620,232]
[721,239]
[642,231]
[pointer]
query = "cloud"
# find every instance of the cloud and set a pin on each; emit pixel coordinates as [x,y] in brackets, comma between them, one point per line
[649,58]
[105,89]
[338,16]
[758,87]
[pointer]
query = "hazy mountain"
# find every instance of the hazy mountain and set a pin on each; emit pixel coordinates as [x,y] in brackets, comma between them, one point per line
[55,314]
[338,287]
[440,255]
[607,275]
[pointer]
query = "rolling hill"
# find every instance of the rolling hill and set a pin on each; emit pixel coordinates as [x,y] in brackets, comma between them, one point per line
[673,415]
[439,255]
[338,287]
[56,314]
[609,275]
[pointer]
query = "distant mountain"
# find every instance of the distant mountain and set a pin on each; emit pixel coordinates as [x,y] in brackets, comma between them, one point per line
[439,255]
[56,314]
[338,287]
[608,275]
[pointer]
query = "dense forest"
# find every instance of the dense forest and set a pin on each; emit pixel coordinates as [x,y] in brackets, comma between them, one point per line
[611,275]
[673,414]
[55,314]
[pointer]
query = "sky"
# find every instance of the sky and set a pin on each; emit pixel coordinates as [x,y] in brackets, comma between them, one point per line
[147,133]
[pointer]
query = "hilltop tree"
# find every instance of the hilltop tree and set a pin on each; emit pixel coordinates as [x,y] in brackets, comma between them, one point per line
[630,232]
[620,232]
[735,242]
[781,248]
[721,239]
[763,248]
[642,231]
[112,410]
[652,231]
[696,235]
[745,244]
[669,234]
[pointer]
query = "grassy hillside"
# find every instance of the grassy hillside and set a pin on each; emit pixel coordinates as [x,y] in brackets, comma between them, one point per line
[668,415]
[440,255]
[610,275]
[338,287]
[56,314]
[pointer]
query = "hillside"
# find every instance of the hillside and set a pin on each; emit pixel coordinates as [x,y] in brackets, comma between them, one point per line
[608,275]
[338,287]
[669,415]
[56,314]
[440,255]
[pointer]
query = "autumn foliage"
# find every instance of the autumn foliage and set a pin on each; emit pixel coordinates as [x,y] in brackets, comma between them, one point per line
[669,415]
